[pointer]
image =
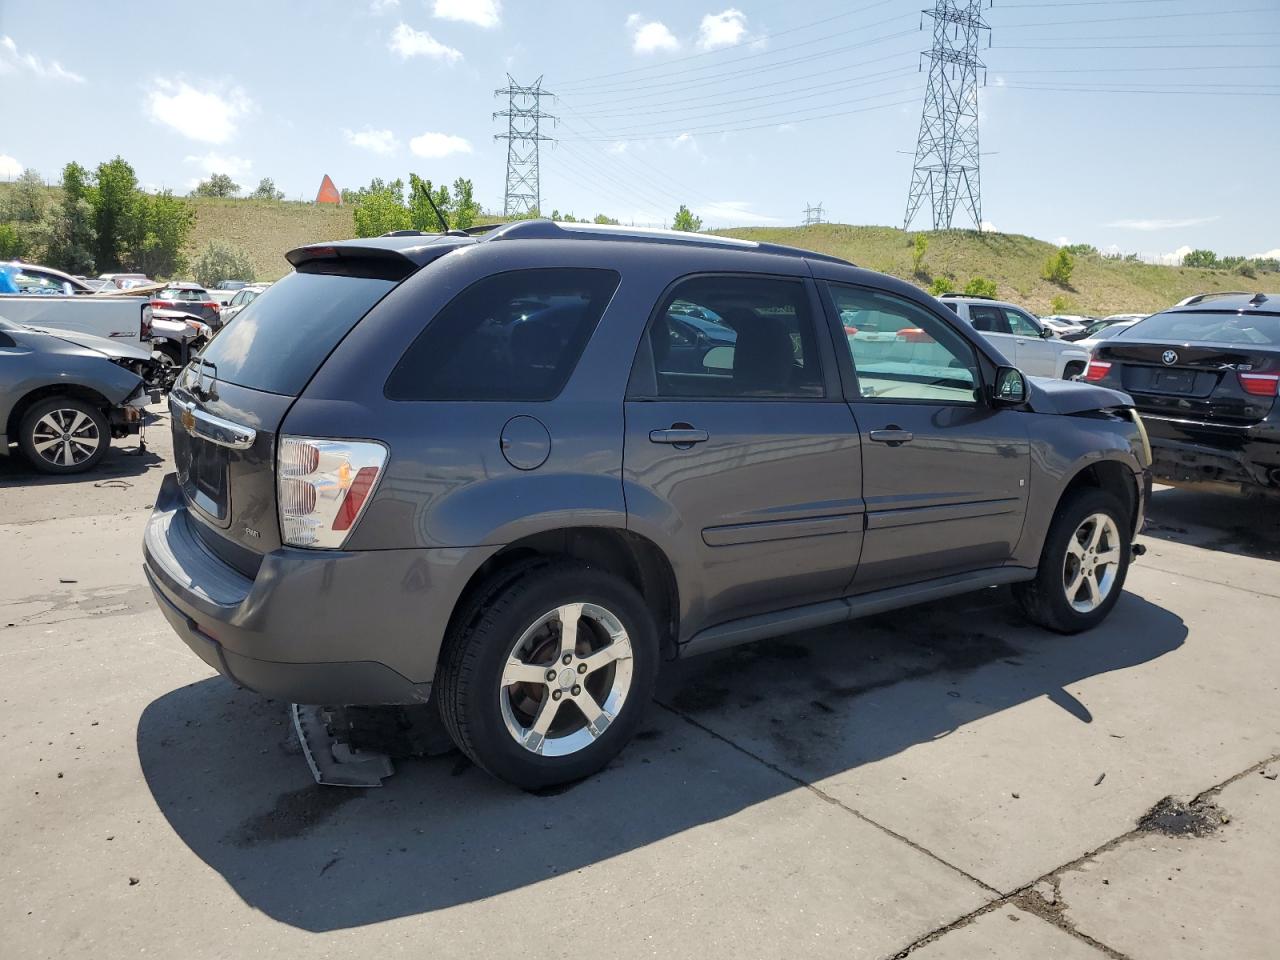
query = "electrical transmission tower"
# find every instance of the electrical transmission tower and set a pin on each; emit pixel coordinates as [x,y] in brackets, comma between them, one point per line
[524,118]
[813,215]
[946,168]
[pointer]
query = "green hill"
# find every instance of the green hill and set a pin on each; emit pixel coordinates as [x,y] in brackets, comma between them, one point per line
[1099,286]
[268,229]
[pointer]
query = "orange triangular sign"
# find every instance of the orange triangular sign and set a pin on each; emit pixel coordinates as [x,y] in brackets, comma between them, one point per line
[328,192]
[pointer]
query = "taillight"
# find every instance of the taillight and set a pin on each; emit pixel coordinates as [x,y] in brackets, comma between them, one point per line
[1260,384]
[914,335]
[1097,370]
[323,486]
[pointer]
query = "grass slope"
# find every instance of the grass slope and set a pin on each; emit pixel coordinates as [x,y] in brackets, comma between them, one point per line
[1098,286]
[267,229]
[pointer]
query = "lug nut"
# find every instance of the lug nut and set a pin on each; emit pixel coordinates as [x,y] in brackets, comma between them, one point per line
[551,675]
[582,668]
[567,659]
[556,694]
[576,689]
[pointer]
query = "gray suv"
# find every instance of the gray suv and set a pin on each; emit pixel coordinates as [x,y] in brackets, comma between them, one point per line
[509,474]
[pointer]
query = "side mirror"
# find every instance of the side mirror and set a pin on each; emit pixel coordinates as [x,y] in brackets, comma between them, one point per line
[1046,333]
[1010,387]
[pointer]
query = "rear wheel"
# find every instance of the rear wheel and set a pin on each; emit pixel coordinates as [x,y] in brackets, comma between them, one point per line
[550,679]
[64,435]
[1082,566]
[1073,370]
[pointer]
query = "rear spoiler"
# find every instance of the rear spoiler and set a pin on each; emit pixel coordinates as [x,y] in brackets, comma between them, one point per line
[383,258]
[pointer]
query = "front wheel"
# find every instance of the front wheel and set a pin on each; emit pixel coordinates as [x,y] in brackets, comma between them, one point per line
[1082,566]
[549,680]
[64,435]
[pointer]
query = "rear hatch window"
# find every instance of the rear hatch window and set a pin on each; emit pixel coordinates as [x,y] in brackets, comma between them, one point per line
[278,342]
[1237,329]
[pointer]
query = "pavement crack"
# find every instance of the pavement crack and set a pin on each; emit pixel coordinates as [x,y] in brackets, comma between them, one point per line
[828,798]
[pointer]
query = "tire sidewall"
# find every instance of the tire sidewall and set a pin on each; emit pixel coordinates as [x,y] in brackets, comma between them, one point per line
[1074,512]
[32,416]
[480,695]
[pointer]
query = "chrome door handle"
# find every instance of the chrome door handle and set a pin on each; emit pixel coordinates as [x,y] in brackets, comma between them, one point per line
[892,436]
[679,436]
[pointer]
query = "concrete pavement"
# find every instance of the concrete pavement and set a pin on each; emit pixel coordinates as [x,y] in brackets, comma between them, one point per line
[943,783]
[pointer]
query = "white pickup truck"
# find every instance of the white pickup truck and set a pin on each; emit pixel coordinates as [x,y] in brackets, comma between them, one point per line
[127,319]
[1026,343]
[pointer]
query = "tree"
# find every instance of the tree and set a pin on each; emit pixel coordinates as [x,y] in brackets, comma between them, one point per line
[422,216]
[114,199]
[601,218]
[266,190]
[65,238]
[918,248]
[380,209]
[1200,258]
[12,243]
[465,208]
[1081,249]
[941,286]
[160,228]
[218,261]
[218,185]
[980,287]
[27,198]
[1057,269]
[686,221]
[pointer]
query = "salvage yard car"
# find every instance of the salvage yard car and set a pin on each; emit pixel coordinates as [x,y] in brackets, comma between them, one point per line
[1205,378]
[1034,348]
[477,471]
[63,396]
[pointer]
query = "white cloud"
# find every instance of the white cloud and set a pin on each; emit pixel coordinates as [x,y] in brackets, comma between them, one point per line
[1172,223]
[650,36]
[722,29]
[989,227]
[213,162]
[11,61]
[1168,259]
[483,13]
[432,146]
[1062,242]
[375,141]
[407,42]
[206,115]
[1269,255]
[383,6]
[617,147]
[10,169]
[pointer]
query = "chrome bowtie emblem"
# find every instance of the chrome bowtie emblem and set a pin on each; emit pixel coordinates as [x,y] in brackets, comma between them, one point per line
[1169,356]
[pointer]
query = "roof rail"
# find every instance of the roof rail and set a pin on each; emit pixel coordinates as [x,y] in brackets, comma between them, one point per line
[965,296]
[1202,297]
[543,229]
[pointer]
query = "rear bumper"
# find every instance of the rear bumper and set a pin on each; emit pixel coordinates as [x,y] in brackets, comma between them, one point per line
[311,627]
[1190,452]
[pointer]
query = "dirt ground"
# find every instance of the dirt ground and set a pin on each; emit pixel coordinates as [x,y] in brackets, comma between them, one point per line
[945,782]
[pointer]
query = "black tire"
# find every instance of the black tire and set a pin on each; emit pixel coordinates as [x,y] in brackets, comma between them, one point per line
[1073,369]
[34,434]
[469,679]
[1044,600]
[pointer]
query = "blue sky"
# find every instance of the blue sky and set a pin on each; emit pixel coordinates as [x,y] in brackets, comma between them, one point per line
[1145,126]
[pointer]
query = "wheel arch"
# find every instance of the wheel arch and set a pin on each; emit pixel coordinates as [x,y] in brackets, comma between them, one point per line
[628,555]
[1114,477]
[32,397]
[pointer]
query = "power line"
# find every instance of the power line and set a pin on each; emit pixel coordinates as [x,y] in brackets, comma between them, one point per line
[665,65]
[1144,17]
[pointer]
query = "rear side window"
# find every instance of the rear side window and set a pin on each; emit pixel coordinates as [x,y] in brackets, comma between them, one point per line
[511,336]
[1238,329]
[735,337]
[292,328]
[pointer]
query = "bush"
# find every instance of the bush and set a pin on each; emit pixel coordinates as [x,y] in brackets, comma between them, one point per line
[1200,258]
[1081,249]
[12,244]
[685,220]
[218,185]
[1060,304]
[1058,268]
[940,286]
[266,190]
[919,247]
[1246,269]
[980,287]
[220,261]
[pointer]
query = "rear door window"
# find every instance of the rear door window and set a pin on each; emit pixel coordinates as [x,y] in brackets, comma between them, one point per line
[511,336]
[732,337]
[988,319]
[281,342]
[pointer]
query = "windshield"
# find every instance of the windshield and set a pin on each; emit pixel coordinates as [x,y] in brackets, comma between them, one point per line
[292,328]
[1208,326]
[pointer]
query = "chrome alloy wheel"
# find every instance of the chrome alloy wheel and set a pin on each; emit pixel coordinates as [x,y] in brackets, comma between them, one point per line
[1092,562]
[566,679]
[65,437]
